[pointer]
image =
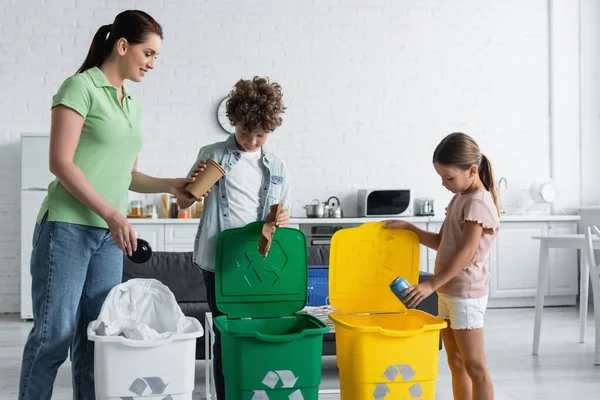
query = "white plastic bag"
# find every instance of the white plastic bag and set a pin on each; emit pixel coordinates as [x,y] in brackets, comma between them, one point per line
[141,309]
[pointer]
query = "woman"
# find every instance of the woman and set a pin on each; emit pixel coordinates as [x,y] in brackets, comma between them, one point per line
[81,231]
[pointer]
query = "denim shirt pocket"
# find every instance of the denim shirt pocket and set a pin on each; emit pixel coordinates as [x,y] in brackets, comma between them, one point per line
[276,179]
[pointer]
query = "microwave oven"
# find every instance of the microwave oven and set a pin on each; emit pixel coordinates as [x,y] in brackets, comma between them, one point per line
[384,203]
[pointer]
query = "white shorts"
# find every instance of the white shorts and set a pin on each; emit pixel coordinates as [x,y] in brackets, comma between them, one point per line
[462,313]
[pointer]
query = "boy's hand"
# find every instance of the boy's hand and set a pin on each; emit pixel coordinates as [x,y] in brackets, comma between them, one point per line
[283,220]
[396,224]
[199,168]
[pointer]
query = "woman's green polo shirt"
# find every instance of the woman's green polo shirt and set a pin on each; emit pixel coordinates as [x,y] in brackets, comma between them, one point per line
[111,139]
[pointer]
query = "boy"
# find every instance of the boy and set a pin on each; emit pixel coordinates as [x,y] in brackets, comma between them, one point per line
[255,179]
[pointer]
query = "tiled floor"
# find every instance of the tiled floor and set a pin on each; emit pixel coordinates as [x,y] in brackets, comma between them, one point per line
[563,370]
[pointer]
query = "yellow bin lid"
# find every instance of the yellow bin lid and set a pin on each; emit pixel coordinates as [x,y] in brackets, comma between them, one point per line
[364,261]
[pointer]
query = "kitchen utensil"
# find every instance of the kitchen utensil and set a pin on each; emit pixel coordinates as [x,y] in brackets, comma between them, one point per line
[335,211]
[315,210]
[424,206]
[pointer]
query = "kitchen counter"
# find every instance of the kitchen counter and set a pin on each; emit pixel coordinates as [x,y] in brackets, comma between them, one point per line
[357,220]
[182,221]
[503,218]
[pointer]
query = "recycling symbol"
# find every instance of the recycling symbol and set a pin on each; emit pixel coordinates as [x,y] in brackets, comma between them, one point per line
[391,373]
[259,272]
[272,379]
[148,386]
[380,254]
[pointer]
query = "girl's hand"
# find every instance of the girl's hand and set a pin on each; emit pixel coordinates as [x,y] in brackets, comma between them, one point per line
[283,219]
[418,293]
[396,224]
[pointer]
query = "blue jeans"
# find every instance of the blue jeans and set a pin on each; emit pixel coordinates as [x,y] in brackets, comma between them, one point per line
[73,267]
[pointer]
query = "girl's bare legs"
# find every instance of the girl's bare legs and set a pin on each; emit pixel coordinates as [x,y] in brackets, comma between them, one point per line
[470,344]
[462,387]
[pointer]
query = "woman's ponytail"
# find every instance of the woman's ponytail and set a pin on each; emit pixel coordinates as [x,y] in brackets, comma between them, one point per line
[98,49]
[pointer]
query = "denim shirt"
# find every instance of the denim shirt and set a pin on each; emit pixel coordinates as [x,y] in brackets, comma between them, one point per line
[215,213]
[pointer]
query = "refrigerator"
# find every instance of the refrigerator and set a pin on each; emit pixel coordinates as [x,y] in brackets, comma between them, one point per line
[35,177]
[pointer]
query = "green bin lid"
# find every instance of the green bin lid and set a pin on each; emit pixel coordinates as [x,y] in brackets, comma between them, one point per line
[248,286]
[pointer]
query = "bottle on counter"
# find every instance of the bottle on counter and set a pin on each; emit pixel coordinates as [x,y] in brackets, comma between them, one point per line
[173,207]
[164,211]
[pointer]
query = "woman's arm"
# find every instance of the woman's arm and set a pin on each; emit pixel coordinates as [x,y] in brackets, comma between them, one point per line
[65,131]
[142,183]
[427,238]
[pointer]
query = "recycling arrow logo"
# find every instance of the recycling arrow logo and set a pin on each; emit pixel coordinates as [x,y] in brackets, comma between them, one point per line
[148,386]
[272,379]
[406,372]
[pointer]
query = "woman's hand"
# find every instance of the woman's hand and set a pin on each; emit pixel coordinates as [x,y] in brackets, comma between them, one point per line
[418,293]
[396,224]
[283,219]
[179,185]
[122,232]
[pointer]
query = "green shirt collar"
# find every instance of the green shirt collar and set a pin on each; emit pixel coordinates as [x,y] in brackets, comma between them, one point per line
[100,80]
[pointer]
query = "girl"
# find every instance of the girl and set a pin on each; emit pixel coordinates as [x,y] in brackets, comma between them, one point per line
[461,275]
[81,231]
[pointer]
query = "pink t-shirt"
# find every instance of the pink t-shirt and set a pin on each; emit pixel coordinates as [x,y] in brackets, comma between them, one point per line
[471,281]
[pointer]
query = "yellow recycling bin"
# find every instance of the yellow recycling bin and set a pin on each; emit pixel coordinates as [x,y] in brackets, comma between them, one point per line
[384,351]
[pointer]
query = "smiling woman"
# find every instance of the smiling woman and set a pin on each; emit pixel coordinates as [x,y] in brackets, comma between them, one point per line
[81,231]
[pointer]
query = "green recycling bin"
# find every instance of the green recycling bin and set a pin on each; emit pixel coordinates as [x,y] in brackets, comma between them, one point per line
[269,351]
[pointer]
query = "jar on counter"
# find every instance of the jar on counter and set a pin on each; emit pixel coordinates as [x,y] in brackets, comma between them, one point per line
[151,211]
[137,209]
[185,213]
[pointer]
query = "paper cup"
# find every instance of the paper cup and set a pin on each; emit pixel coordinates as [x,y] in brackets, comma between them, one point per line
[206,179]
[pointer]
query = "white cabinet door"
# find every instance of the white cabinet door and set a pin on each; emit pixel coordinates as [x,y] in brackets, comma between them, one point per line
[152,233]
[180,237]
[563,263]
[423,264]
[514,265]
[182,248]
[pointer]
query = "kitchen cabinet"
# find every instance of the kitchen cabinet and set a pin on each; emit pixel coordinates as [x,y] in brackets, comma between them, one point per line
[154,234]
[514,263]
[165,236]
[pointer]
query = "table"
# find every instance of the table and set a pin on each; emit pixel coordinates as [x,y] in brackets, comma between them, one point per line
[575,242]
[209,342]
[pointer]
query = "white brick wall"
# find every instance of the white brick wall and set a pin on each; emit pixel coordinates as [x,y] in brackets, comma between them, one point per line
[371,87]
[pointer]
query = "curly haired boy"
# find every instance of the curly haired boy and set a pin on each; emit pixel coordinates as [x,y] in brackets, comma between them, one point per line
[255,179]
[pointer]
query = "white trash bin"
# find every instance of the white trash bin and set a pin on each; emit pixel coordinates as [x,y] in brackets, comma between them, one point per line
[145,369]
